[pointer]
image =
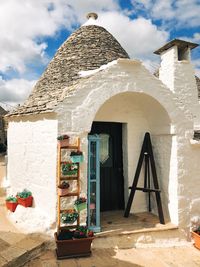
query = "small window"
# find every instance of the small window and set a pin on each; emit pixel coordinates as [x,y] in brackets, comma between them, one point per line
[183,53]
[106,157]
[104,147]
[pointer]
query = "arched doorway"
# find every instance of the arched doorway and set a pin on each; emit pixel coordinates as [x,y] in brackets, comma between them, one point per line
[137,113]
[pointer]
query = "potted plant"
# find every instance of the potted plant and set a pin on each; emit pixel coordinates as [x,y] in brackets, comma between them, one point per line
[63,140]
[69,169]
[69,216]
[196,237]
[72,243]
[11,203]
[63,189]
[80,204]
[76,156]
[25,198]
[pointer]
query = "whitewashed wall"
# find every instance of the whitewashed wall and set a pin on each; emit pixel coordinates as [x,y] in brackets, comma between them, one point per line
[32,142]
[154,108]
[150,105]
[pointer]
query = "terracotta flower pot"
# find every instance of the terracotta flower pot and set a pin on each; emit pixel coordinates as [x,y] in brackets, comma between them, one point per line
[196,238]
[63,191]
[11,206]
[73,247]
[64,142]
[26,202]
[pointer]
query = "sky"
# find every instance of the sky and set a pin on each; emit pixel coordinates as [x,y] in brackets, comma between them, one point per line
[32,30]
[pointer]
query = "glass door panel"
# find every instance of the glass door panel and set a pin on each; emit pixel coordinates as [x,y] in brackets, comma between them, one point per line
[93,183]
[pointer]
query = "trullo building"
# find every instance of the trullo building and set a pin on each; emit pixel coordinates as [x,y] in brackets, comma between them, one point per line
[91,86]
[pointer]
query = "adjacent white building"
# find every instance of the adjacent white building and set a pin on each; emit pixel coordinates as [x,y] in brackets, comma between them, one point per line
[92,79]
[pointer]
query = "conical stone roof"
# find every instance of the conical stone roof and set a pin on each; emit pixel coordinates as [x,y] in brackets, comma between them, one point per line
[87,48]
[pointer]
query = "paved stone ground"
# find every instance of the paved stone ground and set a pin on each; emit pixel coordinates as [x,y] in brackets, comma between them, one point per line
[140,257]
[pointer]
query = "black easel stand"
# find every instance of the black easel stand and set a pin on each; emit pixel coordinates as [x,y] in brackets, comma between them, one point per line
[146,155]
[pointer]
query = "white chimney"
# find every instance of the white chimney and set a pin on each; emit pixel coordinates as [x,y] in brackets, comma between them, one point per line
[177,73]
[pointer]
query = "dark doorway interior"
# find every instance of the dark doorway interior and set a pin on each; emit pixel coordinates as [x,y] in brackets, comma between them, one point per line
[111,165]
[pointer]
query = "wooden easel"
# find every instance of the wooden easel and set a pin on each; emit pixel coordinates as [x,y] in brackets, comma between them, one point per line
[146,155]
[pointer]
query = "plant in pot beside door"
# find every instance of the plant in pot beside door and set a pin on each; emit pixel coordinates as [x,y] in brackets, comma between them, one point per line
[63,140]
[63,189]
[74,243]
[25,198]
[11,203]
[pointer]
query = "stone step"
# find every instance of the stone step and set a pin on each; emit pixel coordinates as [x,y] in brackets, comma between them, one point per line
[19,253]
[167,237]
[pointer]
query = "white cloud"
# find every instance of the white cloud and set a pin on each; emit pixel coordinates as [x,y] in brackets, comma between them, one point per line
[23,23]
[23,26]
[139,37]
[15,90]
[184,13]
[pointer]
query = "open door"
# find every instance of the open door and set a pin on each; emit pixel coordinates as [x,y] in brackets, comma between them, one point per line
[111,166]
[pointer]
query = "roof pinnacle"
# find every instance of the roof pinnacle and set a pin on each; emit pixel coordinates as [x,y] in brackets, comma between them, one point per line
[92,15]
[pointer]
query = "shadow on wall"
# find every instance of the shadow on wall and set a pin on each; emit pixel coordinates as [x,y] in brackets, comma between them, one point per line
[162,149]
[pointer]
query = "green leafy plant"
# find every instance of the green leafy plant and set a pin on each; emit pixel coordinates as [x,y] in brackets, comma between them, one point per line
[62,137]
[24,194]
[69,168]
[70,216]
[65,234]
[80,232]
[83,232]
[80,200]
[11,199]
[76,153]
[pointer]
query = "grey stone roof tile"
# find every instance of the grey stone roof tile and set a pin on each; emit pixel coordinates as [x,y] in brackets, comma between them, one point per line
[87,48]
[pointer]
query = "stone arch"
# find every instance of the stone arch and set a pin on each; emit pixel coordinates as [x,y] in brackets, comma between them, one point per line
[133,111]
[84,114]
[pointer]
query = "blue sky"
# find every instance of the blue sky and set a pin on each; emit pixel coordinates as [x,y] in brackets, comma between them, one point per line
[32,31]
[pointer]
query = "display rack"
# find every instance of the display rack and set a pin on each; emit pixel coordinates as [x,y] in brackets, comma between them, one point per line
[71,177]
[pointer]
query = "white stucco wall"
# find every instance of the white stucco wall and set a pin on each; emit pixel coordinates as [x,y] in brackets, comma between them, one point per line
[32,143]
[84,106]
[171,141]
